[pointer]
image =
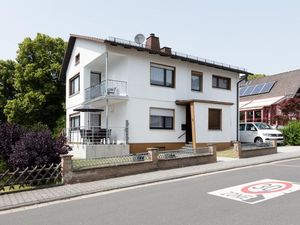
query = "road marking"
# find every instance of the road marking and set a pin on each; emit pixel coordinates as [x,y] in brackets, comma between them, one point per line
[257,191]
[100,193]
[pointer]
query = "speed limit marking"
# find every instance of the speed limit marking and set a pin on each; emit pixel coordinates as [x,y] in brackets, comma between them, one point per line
[257,191]
[267,187]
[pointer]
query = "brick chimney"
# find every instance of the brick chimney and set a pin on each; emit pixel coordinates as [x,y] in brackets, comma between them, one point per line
[152,42]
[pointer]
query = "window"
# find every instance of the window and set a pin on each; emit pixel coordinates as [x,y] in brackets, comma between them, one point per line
[77,59]
[162,75]
[221,82]
[74,85]
[242,127]
[75,122]
[161,118]
[197,81]
[214,119]
[250,127]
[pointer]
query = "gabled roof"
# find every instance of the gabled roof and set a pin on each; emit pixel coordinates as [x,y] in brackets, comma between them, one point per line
[130,45]
[286,84]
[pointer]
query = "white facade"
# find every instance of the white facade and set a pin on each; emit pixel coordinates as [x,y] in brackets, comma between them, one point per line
[133,67]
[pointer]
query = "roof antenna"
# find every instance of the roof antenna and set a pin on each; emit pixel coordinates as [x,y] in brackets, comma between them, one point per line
[139,39]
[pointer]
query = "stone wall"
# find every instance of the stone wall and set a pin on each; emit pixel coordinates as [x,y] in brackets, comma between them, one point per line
[259,151]
[104,172]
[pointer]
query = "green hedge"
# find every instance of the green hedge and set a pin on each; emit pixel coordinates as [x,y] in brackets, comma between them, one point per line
[291,133]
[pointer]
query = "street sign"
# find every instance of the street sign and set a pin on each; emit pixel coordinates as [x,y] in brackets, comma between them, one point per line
[257,191]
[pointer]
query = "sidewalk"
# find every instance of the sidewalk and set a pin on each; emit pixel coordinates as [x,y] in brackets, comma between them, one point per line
[26,198]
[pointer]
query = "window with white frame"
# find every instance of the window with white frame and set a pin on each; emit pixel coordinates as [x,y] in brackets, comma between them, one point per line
[75,122]
[161,118]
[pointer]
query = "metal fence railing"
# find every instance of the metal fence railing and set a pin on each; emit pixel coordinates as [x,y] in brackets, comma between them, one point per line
[114,88]
[179,54]
[175,154]
[110,161]
[30,177]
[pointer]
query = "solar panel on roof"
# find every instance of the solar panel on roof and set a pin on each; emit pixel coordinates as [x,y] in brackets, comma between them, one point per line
[249,90]
[267,88]
[257,89]
[242,90]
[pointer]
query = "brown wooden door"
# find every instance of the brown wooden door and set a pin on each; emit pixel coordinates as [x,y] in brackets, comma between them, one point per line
[188,132]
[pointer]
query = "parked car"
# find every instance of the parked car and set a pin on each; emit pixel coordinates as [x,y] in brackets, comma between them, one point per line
[259,133]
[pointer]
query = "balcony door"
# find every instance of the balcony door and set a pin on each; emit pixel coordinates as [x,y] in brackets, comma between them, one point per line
[95,119]
[95,78]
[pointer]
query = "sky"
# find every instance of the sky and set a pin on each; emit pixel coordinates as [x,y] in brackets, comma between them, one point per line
[260,35]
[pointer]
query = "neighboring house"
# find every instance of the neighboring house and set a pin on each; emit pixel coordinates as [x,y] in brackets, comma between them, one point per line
[132,96]
[261,99]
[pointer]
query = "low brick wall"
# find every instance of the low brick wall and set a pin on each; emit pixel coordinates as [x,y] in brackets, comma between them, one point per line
[92,174]
[247,153]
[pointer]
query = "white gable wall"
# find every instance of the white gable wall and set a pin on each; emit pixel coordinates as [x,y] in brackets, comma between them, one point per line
[142,96]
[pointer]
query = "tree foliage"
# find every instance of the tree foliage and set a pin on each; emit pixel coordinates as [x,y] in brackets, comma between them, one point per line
[290,107]
[7,91]
[39,93]
[256,76]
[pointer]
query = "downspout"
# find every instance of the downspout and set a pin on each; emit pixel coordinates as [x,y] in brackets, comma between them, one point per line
[237,105]
[106,93]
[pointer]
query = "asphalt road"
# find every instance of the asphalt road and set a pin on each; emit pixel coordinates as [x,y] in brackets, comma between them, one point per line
[180,202]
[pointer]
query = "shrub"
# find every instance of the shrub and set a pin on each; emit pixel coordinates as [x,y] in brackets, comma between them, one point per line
[292,133]
[36,149]
[9,135]
[3,166]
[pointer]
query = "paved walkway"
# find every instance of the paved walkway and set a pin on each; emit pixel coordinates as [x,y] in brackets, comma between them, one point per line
[25,198]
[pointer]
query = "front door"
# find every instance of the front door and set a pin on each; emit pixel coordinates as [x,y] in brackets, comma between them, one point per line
[188,127]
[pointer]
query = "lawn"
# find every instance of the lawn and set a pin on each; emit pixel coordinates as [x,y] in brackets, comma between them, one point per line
[227,153]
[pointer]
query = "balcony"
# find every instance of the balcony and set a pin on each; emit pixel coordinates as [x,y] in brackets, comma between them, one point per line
[115,88]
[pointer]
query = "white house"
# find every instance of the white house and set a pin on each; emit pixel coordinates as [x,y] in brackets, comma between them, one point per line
[124,97]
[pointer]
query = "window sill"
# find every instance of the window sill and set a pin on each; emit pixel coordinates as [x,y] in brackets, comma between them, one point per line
[196,91]
[222,88]
[170,129]
[156,85]
[72,95]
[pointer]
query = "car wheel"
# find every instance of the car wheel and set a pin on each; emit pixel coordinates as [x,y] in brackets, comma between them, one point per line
[258,140]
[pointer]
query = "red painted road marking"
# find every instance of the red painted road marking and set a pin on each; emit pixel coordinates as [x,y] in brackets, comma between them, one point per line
[267,187]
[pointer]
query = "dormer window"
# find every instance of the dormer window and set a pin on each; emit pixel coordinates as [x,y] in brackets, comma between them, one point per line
[77,59]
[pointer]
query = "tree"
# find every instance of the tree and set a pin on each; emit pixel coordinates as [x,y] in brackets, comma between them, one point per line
[39,92]
[290,108]
[256,76]
[7,91]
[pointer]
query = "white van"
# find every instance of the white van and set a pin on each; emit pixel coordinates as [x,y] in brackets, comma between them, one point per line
[259,132]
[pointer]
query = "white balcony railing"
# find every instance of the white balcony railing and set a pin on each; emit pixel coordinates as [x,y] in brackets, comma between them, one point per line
[114,88]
